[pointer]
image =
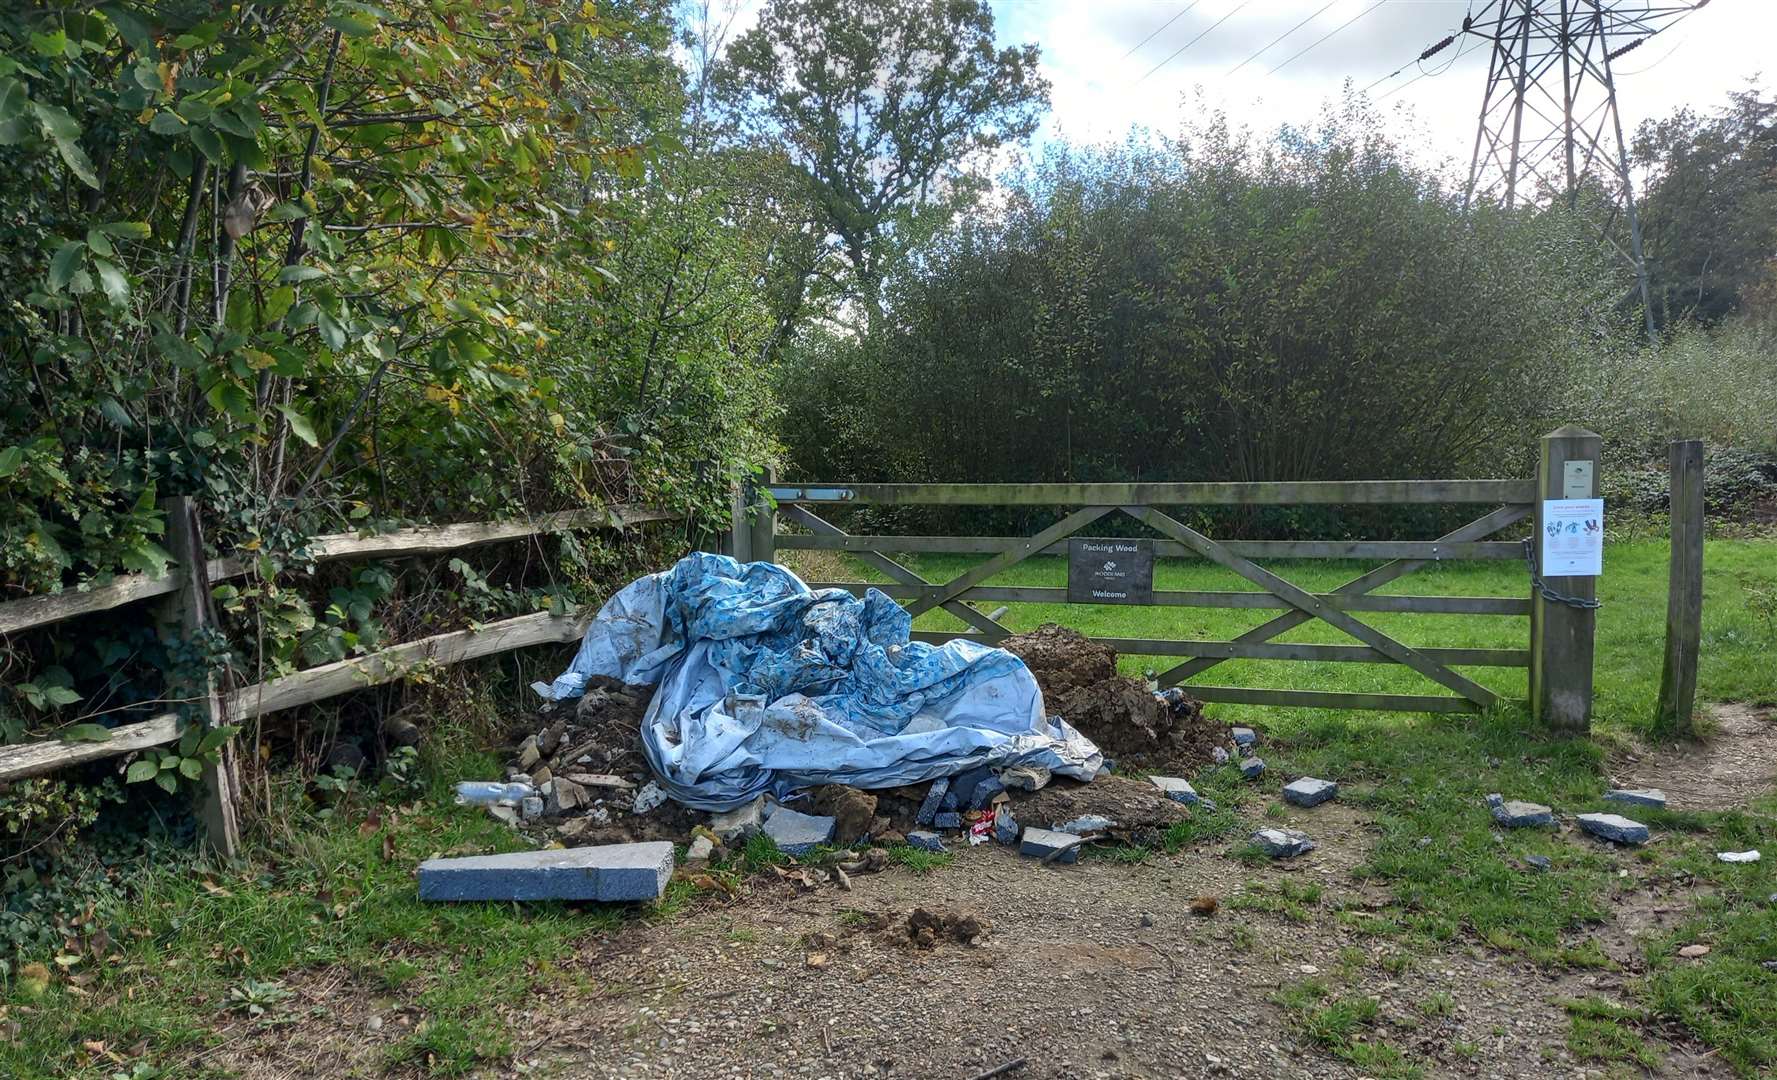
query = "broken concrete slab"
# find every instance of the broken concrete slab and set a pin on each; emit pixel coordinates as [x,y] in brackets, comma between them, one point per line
[925,841]
[1614,827]
[741,822]
[1308,791]
[1176,789]
[1251,767]
[797,833]
[1517,814]
[1283,843]
[985,792]
[1243,736]
[949,819]
[933,800]
[1637,796]
[609,873]
[1540,863]
[601,780]
[1043,843]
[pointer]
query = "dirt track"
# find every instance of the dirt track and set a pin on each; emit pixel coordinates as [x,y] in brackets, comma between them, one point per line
[791,983]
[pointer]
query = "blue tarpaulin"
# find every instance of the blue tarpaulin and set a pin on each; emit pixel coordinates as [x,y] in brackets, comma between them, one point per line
[767,686]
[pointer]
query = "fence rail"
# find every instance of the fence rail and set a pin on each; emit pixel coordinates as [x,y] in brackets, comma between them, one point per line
[189,593]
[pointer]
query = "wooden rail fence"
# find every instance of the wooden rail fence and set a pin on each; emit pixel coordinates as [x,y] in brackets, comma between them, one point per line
[186,588]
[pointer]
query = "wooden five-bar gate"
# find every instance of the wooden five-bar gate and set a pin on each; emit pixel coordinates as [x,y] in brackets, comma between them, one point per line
[1559,652]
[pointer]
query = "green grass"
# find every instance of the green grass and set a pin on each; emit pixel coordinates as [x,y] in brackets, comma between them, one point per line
[206,943]
[1451,875]
[324,899]
[1631,625]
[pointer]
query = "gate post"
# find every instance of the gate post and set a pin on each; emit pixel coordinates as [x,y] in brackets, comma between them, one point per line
[1561,634]
[1684,590]
[752,534]
[764,540]
[740,535]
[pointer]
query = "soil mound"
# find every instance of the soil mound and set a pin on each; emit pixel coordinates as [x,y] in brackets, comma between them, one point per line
[1081,685]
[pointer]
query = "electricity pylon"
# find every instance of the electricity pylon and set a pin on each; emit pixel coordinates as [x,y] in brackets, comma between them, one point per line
[1549,121]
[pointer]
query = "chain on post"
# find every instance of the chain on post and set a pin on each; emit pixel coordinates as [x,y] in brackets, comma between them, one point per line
[1543,590]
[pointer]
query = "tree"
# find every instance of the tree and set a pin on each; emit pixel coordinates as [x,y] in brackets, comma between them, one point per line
[881,110]
[1709,216]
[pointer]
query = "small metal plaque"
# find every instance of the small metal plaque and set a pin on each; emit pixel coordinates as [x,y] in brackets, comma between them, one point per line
[1576,480]
[1110,571]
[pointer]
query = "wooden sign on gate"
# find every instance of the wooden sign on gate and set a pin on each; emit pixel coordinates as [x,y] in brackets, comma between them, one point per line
[1110,571]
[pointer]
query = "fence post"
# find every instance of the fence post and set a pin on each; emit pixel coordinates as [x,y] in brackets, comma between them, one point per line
[740,534]
[764,523]
[184,614]
[1561,635]
[1684,590]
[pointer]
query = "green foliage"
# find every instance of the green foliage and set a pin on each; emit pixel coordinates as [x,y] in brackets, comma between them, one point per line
[1709,212]
[1224,307]
[1714,383]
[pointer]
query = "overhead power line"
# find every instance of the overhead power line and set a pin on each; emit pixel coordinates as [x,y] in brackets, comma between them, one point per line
[1324,37]
[1180,50]
[1181,14]
[1283,35]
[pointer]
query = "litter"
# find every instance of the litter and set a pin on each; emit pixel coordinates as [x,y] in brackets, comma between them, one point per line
[766,686]
[1737,856]
[492,793]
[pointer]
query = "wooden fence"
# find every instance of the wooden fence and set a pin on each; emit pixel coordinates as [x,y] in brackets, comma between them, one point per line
[1558,652]
[185,608]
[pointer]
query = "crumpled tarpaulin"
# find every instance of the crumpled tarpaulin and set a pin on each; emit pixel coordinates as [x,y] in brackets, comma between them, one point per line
[765,685]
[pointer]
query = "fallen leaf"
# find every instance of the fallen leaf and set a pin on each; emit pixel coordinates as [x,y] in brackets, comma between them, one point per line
[34,980]
[818,959]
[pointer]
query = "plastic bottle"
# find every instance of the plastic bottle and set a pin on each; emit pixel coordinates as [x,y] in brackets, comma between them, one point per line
[492,793]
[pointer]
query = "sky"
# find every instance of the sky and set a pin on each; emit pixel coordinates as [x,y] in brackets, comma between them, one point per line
[1109,76]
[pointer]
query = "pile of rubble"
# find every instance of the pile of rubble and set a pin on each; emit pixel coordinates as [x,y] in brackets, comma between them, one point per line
[578,779]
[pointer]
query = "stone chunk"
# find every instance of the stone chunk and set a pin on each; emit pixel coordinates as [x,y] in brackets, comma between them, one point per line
[933,800]
[985,792]
[1515,814]
[1539,863]
[1638,796]
[563,795]
[1283,843]
[698,854]
[607,873]
[1044,842]
[740,822]
[1005,826]
[1308,791]
[1251,767]
[1219,754]
[925,841]
[949,819]
[649,797]
[1243,737]
[797,833]
[528,754]
[1176,789]
[1614,827]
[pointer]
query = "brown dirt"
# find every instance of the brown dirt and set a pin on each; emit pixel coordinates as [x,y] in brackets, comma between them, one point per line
[1735,764]
[1100,970]
[1080,684]
[1137,807]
